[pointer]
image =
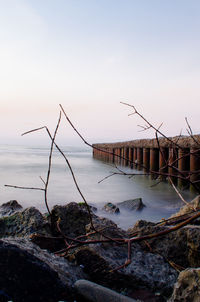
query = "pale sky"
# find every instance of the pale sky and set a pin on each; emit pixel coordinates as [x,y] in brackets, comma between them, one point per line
[89,55]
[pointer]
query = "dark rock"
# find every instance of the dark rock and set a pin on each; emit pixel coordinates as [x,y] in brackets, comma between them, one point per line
[52,244]
[172,246]
[147,295]
[139,226]
[111,208]
[72,219]
[187,287]
[92,208]
[146,270]
[24,223]
[96,293]
[132,204]
[67,272]
[181,246]
[106,227]
[193,245]
[9,208]
[28,273]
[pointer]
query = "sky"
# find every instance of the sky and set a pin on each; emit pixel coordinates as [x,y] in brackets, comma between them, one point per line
[90,55]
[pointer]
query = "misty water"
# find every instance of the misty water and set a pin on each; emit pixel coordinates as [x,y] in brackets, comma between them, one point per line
[23,166]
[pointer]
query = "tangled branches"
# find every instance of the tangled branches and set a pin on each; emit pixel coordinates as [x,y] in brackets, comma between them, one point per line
[71,243]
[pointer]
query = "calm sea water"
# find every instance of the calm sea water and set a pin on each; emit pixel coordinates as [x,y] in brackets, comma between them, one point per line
[23,166]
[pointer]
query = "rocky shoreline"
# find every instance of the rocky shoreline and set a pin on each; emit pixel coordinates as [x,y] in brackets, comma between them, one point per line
[41,262]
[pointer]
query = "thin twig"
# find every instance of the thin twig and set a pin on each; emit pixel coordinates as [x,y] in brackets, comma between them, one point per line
[150,124]
[24,188]
[181,197]
[50,161]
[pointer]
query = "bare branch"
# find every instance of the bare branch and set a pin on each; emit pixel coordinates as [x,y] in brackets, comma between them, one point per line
[24,188]
[179,194]
[34,130]
[151,125]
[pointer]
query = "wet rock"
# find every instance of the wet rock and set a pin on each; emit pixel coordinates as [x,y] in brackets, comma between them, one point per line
[106,227]
[181,246]
[146,270]
[96,293]
[132,204]
[24,223]
[72,219]
[111,208]
[9,208]
[187,287]
[139,226]
[172,246]
[28,273]
[67,272]
[92,208]
[194,204]
[52,244]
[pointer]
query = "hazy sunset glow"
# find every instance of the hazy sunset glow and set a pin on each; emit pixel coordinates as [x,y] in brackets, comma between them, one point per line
[89,55]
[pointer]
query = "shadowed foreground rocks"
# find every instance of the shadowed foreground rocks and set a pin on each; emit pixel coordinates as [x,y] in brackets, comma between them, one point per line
[25,277]
[30,271]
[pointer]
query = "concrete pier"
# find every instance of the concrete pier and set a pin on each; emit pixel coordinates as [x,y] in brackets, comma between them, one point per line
[178,158]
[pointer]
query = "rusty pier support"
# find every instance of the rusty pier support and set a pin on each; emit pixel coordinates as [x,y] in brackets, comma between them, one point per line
[163,161]
[173,164]
[154,161]
[139,158]
[146,159]
[183,167]
[177,157]
[194,168]
[131,157]
[135,158]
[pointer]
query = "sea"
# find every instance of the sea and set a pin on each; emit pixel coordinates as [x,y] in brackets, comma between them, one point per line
[27,166]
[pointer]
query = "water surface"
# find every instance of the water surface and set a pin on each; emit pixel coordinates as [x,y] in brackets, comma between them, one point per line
[23,166]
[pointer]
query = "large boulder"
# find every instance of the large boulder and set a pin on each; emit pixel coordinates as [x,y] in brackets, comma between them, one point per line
[187,287]
[9,208]
[72,219]
[180,247]
[172,246]
[146,271]
[106,227]
[28,273]
[24,223]
[132,204]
